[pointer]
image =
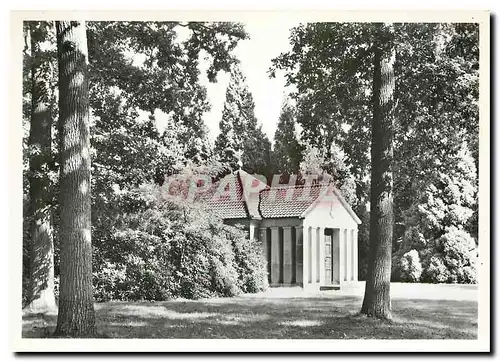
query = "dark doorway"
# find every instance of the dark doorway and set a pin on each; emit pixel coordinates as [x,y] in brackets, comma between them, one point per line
[328,257]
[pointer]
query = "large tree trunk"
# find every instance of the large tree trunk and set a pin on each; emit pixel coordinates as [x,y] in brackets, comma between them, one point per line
[76,316]
[377,300]
[40,297]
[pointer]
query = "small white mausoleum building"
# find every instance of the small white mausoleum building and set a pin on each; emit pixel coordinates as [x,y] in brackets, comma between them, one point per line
[309,234]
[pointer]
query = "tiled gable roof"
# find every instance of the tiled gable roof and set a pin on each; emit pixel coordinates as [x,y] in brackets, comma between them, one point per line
[288,201]
[242,196]
[236,196]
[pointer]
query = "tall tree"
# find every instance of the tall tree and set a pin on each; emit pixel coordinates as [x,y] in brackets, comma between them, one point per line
[76,308]
[227,147]
[138,137]
[443,209]
[237,116]
[377,301]
[129,145]
[330,170]
[437,101]
[437,93]
[41,286]
[287,149]
[241,138]
[257,152]
[330,67]
[136,61]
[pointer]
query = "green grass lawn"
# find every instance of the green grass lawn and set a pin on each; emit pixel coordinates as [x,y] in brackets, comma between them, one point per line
[332,316]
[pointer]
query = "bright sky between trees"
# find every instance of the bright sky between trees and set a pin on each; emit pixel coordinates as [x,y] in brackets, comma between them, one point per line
[268,38]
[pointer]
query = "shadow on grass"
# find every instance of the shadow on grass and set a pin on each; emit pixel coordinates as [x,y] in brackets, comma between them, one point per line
[271,318]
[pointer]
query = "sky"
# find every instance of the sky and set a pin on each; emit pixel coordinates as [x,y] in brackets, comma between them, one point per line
[267,40]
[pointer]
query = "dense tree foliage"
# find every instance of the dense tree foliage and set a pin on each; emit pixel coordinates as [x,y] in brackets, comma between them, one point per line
[175,248]
[436,110]
[331,170]
[444,209]
[330,69]
[130,97]
[241,139]
[38,240]
[146,108]
[287,150]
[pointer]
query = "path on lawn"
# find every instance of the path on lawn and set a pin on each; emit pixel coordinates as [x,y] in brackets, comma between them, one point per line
[398,291]
[419,311]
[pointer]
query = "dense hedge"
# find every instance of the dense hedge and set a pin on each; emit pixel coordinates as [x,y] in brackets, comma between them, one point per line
[450,258]
[175,249]
[453,259]
[409,266]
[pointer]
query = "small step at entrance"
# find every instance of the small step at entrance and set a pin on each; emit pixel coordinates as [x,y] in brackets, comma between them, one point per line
[282,285]
[329,287]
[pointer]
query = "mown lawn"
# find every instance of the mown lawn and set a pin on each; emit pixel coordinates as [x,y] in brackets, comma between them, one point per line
[321,316]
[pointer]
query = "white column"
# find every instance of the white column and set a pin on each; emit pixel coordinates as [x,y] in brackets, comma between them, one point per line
[348,254]
[314,252]
[341,257]
[346,260]
[321,255]
[355,255]
[251,228]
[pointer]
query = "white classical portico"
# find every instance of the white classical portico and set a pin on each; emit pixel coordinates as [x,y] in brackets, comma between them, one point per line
[309,235]
[318,248]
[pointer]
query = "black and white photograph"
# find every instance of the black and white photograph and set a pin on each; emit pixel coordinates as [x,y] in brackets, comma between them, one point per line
[273,177]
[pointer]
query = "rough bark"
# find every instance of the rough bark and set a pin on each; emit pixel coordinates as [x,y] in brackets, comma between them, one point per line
[76,316]
[40,298]
[377,300]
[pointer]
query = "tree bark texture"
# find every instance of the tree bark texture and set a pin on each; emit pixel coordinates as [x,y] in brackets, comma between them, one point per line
[377,300]
[40,298]
[76,316]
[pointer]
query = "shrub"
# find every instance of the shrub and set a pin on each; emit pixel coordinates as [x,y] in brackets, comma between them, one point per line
[450,258]
[436,271]
[413,239]
[110,282]
[410,267]
[174,249]
[453,259]
[250,263]
[469,275]
[207,264]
